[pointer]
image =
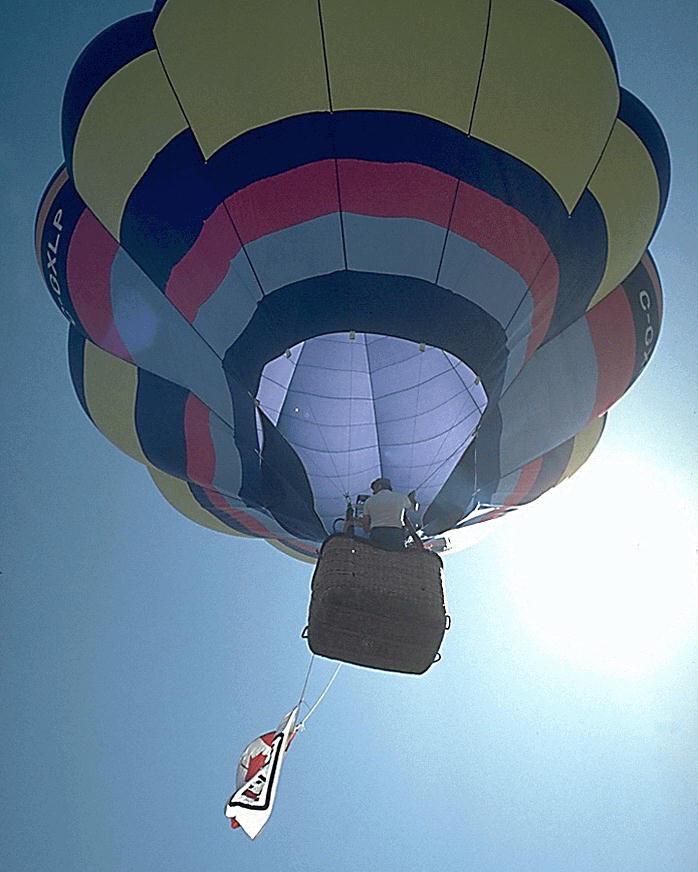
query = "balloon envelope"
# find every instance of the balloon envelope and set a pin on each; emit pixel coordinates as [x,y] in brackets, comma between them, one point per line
[302,246]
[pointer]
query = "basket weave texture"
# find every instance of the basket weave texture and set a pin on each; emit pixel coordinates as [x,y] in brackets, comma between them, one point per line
[382,609]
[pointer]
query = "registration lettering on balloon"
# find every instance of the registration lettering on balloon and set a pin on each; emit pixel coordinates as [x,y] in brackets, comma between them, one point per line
[646,306]
[52,246]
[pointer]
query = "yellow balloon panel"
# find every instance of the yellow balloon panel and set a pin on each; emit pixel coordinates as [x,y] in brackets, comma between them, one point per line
[127,122]
[584,444]
[406,56]
[110,386]
[289,552]
[178,495]
[548,93]
[237,66]
[626,187]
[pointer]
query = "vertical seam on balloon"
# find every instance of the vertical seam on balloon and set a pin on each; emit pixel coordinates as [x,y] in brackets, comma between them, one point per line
[595,167]
[526,293]
[513,381]
[468,439]
[447,231]
[461,448]
[416,411]
[324,54]
[373,403]
[477,405]
[243,248]
[328,85]
[339,194]
[482,67]
[615,114]
[352,346]
[176,96]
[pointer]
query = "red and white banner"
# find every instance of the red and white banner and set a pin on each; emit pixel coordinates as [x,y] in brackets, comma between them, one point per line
[258,777]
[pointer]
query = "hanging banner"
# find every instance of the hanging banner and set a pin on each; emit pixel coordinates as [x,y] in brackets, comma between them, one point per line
[258,777]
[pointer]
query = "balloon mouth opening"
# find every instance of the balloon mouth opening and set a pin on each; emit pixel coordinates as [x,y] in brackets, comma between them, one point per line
[359,406]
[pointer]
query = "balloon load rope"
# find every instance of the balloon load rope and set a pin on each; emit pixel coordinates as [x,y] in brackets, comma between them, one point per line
[301,700]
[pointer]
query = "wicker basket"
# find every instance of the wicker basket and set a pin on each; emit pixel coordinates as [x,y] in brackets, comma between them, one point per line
[371,607]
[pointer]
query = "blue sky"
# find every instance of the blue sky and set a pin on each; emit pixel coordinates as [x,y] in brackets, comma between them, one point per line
[141,653]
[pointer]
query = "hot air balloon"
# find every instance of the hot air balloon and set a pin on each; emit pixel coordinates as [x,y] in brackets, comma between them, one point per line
[305,245]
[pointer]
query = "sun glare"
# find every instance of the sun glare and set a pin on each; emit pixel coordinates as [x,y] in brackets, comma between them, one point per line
[603,568]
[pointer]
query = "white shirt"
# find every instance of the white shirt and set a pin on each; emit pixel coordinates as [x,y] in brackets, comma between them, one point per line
[385,508]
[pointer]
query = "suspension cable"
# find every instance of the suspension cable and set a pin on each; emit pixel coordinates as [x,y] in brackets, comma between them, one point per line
[322,696]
